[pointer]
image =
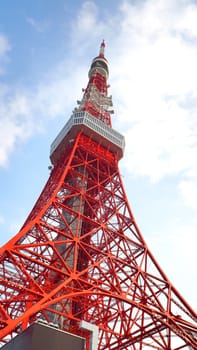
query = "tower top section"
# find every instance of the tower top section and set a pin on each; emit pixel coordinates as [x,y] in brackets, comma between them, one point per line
[95,99]
[92,116]
[100,63]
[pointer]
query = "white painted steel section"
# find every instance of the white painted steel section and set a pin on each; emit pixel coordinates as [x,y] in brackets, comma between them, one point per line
[61,134]
[93,329]
[84,118]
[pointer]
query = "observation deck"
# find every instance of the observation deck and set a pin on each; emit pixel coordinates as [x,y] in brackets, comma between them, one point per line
[91,127]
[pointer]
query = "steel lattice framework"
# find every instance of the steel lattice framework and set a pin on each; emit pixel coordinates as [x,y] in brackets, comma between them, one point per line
[80,254]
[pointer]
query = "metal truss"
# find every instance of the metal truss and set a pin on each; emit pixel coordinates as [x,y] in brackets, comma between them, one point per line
[80,256]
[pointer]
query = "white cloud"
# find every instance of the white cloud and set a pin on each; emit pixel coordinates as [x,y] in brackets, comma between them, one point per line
[188,189]
[175,250]
[24,112]
[164,144]
[87,17]
[4,49]
[15,124]
[88,27]
[154,85]
[187,23]
[39,25]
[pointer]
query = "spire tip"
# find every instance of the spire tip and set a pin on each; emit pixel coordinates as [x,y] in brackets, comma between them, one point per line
[102,49]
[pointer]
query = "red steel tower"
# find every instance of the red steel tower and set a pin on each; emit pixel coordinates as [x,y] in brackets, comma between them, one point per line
[80,254]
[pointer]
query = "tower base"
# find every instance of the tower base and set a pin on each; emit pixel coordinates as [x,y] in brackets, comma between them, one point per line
[39,336]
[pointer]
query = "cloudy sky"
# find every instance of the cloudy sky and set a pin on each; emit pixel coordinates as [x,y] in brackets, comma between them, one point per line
[46,48]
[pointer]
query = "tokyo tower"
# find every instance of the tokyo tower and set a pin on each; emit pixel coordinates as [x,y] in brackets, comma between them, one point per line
[80,255]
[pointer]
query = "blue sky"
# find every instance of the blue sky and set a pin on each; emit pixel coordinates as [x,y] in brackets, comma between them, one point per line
[46,48]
